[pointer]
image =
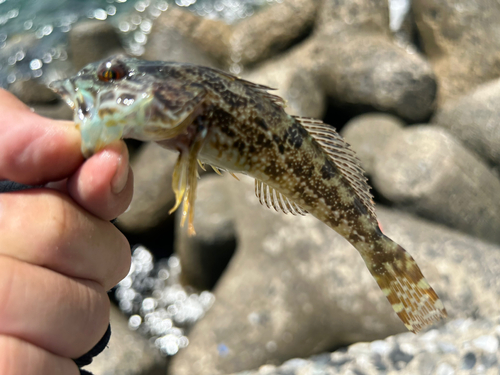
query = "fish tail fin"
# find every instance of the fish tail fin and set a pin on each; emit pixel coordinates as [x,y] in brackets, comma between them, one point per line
[402,282]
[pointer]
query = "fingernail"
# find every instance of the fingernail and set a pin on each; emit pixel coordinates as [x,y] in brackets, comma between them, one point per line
[121,175]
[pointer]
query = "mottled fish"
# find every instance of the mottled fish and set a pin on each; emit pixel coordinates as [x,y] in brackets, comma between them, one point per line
[211,117]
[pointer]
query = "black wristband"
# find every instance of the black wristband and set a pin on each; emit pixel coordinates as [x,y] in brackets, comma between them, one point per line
[8,186]
[86,359]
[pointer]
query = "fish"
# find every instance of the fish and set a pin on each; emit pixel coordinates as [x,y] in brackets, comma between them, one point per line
[210,117]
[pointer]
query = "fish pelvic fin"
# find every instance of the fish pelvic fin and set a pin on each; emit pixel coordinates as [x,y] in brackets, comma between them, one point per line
[185,178]
[179,180]
[402,282]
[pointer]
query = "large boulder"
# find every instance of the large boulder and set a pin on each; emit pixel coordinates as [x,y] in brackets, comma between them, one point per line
[459,38]
[474,118]
[426,170]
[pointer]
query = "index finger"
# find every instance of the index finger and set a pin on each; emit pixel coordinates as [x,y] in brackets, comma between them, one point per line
[34,149]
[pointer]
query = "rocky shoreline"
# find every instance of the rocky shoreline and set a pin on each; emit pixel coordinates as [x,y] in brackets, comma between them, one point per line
[420,108]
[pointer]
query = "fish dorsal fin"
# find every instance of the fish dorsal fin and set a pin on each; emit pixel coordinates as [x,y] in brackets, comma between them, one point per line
[263,90]
[344,158]
[274,199]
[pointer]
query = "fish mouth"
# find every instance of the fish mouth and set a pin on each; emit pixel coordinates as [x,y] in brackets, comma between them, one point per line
[82,101]
[66,89]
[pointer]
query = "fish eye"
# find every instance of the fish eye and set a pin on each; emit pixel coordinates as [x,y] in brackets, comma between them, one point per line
[111,72]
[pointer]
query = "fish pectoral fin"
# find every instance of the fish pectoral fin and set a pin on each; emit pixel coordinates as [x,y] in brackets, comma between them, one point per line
[272,198]
[402,282]
[343,156]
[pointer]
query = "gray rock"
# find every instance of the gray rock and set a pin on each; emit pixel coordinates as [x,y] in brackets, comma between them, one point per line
[448,350]
[361,15]
[153,195]
[128,353]
[295,287]
[271,30]
[33,92]
[474,118]
[429,172]
[168,44]
[210,37]
[371,70]
[91,41]
[253,39]
[457,38]
[295,82]
[204,256]
[368,135]
[360,63]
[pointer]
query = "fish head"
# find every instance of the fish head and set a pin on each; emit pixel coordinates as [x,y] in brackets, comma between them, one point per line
[123,97]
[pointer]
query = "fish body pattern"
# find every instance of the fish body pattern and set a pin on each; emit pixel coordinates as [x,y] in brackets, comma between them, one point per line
[210,117]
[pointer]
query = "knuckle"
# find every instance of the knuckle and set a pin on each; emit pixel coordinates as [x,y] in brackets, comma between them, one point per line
[12,353]
[124,260]
[7,291]
[96,314]
[58,215]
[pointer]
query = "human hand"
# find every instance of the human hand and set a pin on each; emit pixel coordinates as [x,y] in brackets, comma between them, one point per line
[59,254]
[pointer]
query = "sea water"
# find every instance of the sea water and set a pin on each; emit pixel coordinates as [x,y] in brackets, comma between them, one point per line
[33,33]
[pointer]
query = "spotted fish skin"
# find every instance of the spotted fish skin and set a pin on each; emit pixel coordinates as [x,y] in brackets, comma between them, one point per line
[300,165]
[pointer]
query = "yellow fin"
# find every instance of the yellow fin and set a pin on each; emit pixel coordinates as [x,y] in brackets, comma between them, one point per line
[179,180]
[202,165]
[274,199]
[217,170]
[343,156]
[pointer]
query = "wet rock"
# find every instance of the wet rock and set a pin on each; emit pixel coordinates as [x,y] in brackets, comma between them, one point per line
[211,37]
[92,41]
[128,352]
[271,30]
[167,43]
[204,256]
[33,92]
[447,350]
[294,288]
[368,135]
[253,39]
[363,69]
[429,172]
[474,118]
[153,195]
[295,82]
[457,38]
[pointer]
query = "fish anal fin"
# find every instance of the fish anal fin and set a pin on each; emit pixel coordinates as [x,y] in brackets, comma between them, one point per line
[406,289]
[343,156]
[272,198]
